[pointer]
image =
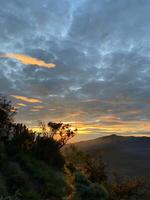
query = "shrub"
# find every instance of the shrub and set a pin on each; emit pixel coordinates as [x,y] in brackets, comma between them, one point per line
[94,168]
[48,181]
[23,140]
[3,188]
[125,188]
[3,156]
[15,177]
[47,150]
[29,194]
[86,190]
[56,186]
[16,196]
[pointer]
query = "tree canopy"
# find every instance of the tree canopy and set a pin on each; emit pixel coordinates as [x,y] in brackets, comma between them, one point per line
[7,111]
[60,132]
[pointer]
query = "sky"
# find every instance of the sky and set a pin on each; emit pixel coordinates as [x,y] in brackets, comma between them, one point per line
[84,62]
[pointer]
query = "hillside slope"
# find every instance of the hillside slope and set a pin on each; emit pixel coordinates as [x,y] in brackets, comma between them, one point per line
[128,155]
[32,178]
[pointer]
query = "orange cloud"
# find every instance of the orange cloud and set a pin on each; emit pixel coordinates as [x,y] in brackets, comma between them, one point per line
[124,127]
[21,104]
[27,99]
[27,60]
[109,118]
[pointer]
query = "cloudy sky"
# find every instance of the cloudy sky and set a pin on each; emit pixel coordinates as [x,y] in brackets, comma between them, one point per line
[86,62]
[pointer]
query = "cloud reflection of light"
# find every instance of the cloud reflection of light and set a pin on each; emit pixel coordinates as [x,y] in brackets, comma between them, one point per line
[27,99]
[27,60]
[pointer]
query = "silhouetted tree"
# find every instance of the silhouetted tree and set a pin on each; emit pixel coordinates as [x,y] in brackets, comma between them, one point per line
[7,112]
[23,137]
[60,132]
[47,149]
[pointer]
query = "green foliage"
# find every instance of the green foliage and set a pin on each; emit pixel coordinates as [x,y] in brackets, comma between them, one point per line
[15,177]
[9,198]
[93,167]
[16,196]
[49,181]
[86,190]
[34,178]
[30,194]
[3,187]
[3,155]
[94,171]
[56,187]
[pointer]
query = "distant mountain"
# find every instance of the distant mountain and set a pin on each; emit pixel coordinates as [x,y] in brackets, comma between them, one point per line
[128,155]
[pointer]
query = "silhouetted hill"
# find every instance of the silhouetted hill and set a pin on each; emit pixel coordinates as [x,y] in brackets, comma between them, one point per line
[128,155]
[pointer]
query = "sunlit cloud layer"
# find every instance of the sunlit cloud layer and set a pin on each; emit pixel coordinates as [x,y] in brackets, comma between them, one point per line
[21,104]
[27,60]
[127,127]
[27,99]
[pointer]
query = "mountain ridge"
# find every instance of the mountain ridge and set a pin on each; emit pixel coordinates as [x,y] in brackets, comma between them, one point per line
[127,154]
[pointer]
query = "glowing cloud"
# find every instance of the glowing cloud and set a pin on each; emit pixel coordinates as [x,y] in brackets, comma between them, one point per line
[27,60]
[27,99]
[21,105]
[122,127]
